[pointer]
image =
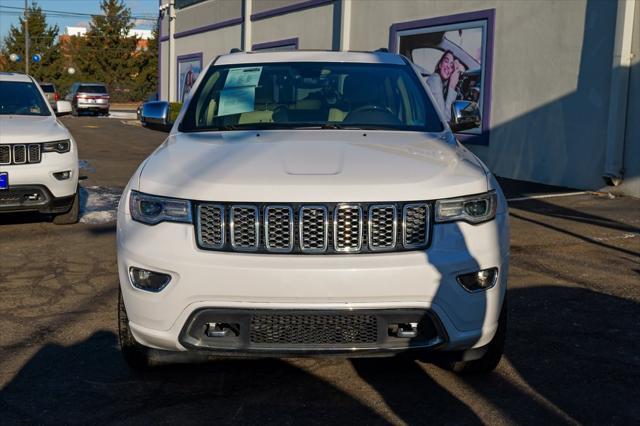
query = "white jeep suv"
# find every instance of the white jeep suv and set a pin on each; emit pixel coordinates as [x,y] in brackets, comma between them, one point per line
[38,156]
[313,203]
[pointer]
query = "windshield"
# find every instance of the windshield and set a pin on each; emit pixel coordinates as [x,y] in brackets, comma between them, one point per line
[92,89]
[310,95]
[21,98]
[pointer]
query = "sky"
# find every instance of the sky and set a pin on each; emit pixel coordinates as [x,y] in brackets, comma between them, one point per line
[146,8]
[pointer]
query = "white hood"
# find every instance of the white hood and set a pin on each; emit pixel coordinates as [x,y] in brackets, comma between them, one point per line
[310,166]
[30,129]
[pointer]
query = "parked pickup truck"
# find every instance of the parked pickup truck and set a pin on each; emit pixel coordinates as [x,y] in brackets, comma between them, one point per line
[313,204]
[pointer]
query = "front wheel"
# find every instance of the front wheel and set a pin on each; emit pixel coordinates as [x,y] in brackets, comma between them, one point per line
[489,361]
[136,355]
[72,216]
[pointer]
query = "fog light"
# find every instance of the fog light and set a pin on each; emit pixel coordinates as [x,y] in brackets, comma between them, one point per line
[480,280]
[148,280]
[62,175]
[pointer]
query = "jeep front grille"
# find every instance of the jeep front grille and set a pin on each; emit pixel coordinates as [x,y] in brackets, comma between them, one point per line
[20,154]
[312,229]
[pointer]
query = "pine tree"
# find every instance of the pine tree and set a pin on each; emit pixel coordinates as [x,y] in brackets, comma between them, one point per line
[146,61]
[106,54]
[43,41]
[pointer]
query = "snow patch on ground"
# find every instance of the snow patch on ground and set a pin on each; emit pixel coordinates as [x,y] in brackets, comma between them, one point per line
[98,204]
[123,115]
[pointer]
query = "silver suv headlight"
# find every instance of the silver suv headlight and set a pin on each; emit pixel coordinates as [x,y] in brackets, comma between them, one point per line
[151,209]
[472,209]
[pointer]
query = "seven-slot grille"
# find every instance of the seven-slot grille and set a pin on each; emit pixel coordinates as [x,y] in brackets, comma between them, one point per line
[340,228]
[20,154]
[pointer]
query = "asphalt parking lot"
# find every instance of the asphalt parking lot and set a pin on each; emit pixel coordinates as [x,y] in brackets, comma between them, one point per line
[572,354]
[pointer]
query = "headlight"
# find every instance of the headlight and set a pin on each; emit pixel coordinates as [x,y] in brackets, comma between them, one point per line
[150,209]
[57,146]
[473,209]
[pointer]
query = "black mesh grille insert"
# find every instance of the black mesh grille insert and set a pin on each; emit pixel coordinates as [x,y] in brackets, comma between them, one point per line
[34,153]
[314,329]
[19,154]
[416,222]
[5,154]
[211,222]
[382,227]
[279,228]
[347,228]
[313,229]
[244,232]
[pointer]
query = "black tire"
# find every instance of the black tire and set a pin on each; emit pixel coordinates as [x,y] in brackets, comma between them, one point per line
[489,361]
[136,355]
[74,111]
[72,216]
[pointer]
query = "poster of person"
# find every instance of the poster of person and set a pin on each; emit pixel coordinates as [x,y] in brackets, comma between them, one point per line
[452,61]
[188,71]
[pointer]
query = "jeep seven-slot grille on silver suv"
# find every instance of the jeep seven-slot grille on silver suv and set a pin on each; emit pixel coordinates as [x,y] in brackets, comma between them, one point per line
[313,229]
[20,154]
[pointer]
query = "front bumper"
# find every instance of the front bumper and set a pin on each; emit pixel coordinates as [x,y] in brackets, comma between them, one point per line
[56,195]
[423,281]
[25,198]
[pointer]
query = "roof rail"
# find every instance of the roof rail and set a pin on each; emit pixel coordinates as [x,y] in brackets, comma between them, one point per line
[235,50]
[382,50]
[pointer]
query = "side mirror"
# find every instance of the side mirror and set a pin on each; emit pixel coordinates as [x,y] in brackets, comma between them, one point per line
[155,115]
[465,115]
[63,108]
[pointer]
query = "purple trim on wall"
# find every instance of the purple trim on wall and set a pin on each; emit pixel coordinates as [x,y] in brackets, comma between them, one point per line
[276,43]
[210,27]
[488,15]
[163,38]
[182,58]
[307,4]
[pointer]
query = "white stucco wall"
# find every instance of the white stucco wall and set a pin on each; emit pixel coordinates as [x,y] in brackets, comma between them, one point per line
[313,27]
[551,75]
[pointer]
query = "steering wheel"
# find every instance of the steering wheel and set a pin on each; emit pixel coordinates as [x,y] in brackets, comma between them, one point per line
[384,114]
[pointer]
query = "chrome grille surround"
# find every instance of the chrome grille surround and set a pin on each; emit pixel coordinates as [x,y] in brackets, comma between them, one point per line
[33,153]
[314,229]
[383,227]
[347,228]
[19,154]
[415,225]
[297,228]
[278,229]
[244,227]
[211,225]
[5,154]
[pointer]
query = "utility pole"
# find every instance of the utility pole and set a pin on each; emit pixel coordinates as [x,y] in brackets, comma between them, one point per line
[26,37]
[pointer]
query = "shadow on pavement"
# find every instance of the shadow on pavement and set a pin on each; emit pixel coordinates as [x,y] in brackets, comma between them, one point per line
[574,351]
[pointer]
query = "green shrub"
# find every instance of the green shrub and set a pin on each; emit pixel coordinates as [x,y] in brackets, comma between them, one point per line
[174,110]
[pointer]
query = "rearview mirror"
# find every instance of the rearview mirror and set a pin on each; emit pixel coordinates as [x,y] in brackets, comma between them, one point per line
[465,115]
[63,108]
[155,115]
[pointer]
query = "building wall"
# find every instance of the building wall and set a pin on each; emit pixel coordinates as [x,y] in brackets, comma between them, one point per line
[313,26]
[264,5]
[551,72]
[550,87]
[207,13]
[631,182]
